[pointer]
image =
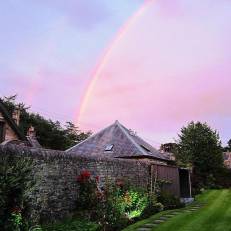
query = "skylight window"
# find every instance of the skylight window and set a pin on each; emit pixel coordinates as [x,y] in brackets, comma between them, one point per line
[109,147]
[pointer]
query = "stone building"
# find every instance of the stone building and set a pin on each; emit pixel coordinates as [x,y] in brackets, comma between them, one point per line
[227,159]
[9,129]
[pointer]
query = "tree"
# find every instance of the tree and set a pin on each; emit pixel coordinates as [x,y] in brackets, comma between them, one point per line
[50,134]
[200,147]
[229,145]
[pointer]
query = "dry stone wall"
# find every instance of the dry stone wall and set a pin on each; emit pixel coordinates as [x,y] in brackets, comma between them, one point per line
[56,191]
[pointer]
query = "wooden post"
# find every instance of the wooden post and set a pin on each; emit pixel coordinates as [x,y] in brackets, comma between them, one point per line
[190,185]
[151,177]
[156,176]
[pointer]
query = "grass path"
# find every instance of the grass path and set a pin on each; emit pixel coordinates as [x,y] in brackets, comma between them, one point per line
[214,216]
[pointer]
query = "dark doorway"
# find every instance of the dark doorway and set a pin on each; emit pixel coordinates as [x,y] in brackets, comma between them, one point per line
[2,131]
[184,183]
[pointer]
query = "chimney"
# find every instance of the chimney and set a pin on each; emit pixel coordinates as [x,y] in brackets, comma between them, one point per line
[31,137]
[16,116]
[31,132]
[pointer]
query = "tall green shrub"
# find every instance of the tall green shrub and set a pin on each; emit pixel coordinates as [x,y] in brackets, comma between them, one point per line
[200,147]
[16,182]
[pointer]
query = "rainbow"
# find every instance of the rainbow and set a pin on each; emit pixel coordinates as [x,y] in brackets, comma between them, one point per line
[105,57]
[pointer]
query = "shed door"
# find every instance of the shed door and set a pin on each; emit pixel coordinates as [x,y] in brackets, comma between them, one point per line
[1,131]
[184,183]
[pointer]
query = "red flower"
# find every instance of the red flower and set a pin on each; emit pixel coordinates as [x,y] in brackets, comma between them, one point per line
[97,178]
[86,174]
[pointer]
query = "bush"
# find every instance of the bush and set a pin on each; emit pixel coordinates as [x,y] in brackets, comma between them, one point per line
[117,205]
[224,178]
[114,206]
[152,207]
[15,184]
[122,204]
[169,201]
[72,224]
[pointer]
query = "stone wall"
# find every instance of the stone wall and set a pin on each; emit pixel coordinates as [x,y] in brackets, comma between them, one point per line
[56,171]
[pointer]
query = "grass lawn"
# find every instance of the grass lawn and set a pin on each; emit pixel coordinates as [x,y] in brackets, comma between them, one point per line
[214,216]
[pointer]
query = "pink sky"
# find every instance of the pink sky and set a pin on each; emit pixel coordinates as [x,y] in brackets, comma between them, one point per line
[171,66]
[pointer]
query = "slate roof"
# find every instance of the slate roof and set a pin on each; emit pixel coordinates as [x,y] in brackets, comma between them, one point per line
[125,143]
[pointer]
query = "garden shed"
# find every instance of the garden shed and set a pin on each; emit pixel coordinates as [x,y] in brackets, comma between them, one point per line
[118,142]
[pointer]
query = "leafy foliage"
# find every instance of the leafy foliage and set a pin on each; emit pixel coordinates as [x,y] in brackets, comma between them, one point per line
[153,206]
[120,204]
[16,183]
[50,134]
[169,201]
[72,224]
[200,147]
[228,147]
[116,204]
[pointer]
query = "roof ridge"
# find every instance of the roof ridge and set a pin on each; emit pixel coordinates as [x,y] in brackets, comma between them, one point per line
[129,137]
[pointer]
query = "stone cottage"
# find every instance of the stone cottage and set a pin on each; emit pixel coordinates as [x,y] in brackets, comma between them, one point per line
[118,142]
[9,129]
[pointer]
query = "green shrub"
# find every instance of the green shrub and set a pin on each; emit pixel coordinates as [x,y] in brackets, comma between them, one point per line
[117,205]
[72,224]
[132,201]
[15,184]
[169,201]
[120,205]
[152,207]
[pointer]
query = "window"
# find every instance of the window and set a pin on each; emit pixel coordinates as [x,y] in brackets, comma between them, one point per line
[109,147]
[2,138]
